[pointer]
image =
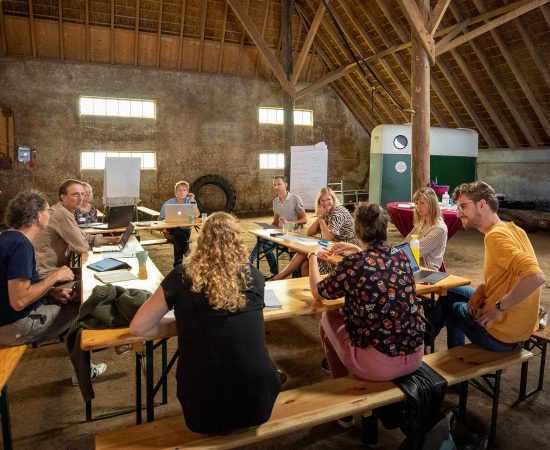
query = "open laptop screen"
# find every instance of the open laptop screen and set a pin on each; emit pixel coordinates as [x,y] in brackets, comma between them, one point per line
[406,248]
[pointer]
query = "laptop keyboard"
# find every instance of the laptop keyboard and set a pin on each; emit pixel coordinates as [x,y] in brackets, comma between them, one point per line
[109,248]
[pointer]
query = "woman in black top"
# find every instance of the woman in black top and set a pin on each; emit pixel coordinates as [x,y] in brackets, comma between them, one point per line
[225,377]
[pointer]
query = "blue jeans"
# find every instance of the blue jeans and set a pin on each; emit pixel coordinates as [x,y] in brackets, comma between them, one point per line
[453,309]
[264,246]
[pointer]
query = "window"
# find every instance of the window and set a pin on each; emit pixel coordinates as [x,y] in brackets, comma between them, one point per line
[95,160]
[275,116]
[117,107]
[272,161]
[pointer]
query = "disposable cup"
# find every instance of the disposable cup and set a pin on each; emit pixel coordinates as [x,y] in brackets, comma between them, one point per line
[204,216]
[142,258]
[289,227]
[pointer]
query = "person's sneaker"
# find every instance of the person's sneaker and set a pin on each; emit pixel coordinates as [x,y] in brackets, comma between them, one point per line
[346,422]
[96,371]
[325,366]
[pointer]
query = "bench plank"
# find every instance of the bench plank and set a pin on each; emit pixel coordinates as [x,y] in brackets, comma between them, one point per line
[308,406]
[9,357]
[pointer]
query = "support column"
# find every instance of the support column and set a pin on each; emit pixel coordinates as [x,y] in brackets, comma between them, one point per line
[288,102]
[420,81]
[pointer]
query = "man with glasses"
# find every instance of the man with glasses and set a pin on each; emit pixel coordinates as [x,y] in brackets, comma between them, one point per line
[62,234]
[503,311]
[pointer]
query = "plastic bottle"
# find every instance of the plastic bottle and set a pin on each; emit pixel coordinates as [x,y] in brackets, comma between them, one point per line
[445,199]
[415,247]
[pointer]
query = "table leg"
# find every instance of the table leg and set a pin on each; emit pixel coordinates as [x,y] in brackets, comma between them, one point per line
[5,414]
[149,381]
[139,360]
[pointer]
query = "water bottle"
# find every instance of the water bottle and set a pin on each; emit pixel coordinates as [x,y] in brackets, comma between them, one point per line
[415,247]
[445,199]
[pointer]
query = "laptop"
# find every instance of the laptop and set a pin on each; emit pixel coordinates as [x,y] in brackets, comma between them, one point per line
[119,217]
[178,212]
[420,275]
[117,247]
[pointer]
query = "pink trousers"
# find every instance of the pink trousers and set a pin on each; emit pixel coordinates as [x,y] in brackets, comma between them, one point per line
[365,363]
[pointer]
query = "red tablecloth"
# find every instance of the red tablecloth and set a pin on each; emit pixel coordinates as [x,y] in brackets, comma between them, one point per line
[403,218]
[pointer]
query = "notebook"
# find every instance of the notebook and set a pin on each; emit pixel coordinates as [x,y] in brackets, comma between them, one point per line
[420,275]
[117,247]
[178,212]
[271,300]
[119,216]
[115,275]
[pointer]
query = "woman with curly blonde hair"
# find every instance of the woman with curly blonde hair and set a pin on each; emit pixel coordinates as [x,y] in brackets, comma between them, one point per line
[218,299]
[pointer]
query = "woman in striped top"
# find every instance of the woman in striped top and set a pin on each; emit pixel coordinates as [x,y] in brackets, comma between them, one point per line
[430,228]
[334,222]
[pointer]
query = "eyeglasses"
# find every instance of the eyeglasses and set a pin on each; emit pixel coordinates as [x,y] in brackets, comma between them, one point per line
[460,207]
[77,194]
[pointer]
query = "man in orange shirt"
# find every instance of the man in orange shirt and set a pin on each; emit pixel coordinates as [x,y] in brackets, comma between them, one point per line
[503,311]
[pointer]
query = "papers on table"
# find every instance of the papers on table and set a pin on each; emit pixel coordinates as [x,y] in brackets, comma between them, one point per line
[302,240]
[405,205]
[271,300]
[266,226]
[113,276]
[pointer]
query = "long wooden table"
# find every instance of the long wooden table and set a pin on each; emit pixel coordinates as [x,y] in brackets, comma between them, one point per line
[151,225]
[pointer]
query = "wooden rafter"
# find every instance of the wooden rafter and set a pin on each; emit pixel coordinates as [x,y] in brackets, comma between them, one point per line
[520,78]
[3,31]
[222,42]
[87,31]
[489,26]
[545,10]
[373,48]
[437,15]
[159,33]
[310,65]
[418,26]
[31,29]
[136,35]
[460,27]
[296,45]
[203,28]
[61,37]
[459,93]
[499,86]
[182,25]
[264,26]
[266,52]
[510,141]
[307,43]
[112,46]
[243,37]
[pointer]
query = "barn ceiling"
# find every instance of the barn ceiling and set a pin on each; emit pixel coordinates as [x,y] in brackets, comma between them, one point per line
[491,70]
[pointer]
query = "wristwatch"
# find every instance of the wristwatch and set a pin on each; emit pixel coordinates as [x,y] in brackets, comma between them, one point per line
[499,305]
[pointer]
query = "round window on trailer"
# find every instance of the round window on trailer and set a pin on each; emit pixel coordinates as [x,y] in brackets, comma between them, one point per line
[400,142]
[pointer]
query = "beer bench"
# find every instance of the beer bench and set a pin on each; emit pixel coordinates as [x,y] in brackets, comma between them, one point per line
[323,402]
[9,357]
[539,339]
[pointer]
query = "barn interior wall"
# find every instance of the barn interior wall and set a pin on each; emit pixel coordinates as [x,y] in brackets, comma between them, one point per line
[520,174]
[206,124]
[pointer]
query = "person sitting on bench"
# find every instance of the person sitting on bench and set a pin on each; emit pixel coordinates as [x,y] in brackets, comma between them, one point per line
[502,312]
[380,335]
[225,376]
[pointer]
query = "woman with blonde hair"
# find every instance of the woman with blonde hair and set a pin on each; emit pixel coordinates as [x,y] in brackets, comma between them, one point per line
[334,222]
[430,228]
[87,213]
[225,377]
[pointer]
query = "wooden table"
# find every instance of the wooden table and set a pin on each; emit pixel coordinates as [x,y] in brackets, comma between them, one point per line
[9,357]
[152,225]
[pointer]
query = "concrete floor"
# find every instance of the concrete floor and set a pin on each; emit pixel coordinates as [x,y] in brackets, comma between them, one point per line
[47,412]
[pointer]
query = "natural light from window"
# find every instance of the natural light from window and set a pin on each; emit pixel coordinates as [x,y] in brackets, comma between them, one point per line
[117,107]
[95,160]
[275,116]
[272,161]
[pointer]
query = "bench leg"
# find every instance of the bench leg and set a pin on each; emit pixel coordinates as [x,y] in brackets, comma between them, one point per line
[139,360]
[5,414]
[463,400]
[529,345]
[492,391]
[149,382]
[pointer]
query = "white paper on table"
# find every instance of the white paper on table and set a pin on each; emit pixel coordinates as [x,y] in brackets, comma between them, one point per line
[405,205]
[271,300]
[302,240]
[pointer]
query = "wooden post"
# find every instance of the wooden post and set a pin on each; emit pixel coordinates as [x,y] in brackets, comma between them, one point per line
[420,155]
[288,102]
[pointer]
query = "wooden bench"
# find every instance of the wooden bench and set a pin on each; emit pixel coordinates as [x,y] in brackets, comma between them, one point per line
[9,357]
[322,402]
[150,212]
[539,340]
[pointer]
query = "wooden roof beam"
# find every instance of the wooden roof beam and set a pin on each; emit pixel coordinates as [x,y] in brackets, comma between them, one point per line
[520,78]
[87,31]
[264,26]
[243,37]
[61,37]
[31,29]
[307,43]
[489,26]
[499,86]
[112,46]
[136,35]
[222,43]
[414,17]
[436,16]
[182,26]
[458,91]
[203,28]
[3,31]
[159,33]
[264,49]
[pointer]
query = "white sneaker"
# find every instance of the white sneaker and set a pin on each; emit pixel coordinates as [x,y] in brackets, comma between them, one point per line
[346,422]
[95,371]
